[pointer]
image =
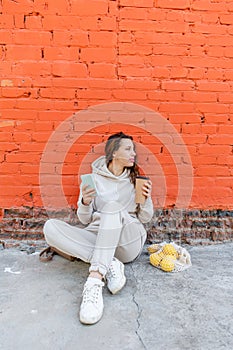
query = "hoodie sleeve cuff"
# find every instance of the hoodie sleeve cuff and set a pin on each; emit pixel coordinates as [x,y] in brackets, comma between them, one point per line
[148,203]
[84,212]
[146,211]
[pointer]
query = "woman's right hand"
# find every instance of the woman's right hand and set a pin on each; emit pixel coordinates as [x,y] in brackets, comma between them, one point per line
[88,194]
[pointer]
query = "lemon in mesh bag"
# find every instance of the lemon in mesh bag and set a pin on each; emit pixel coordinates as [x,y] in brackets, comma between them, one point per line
[169,257]
[169,249]
[155,259]
[153,248]
[167,264]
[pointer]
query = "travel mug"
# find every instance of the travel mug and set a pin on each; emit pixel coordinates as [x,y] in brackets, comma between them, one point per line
[139,197]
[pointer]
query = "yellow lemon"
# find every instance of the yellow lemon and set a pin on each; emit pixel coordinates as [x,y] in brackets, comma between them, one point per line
[167,264]
[153,248]
[155,259]
[162,255]
[168,249]
[172,257]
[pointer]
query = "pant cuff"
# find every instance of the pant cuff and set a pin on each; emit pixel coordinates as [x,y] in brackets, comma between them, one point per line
[97,267]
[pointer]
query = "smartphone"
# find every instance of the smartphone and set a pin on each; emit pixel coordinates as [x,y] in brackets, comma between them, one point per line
[87,179]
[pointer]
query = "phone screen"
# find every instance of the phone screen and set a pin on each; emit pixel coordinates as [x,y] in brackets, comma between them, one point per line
[87,179]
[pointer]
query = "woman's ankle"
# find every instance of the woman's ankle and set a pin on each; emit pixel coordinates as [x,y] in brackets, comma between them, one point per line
[96,274]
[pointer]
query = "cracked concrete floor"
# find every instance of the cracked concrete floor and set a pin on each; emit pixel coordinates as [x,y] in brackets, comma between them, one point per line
[190,310]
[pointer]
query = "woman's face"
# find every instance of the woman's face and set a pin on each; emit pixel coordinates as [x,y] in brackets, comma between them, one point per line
[125,155]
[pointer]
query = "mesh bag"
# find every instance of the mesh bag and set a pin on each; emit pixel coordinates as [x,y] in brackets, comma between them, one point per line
[177,258]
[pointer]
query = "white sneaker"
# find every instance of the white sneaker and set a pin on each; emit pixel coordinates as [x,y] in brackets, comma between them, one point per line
[115,276]
[91,309]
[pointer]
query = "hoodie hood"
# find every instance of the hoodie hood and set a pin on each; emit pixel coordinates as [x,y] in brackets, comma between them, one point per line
[99,167]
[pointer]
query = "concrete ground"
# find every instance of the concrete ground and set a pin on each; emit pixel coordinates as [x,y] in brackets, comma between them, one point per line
[39,304]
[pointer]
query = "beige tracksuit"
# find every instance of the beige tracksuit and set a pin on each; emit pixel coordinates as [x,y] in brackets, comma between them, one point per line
[113,225]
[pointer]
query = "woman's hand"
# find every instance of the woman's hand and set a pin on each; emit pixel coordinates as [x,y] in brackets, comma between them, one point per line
[88,194]
[147,189]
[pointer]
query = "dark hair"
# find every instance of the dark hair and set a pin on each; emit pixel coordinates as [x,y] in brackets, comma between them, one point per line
[112,145]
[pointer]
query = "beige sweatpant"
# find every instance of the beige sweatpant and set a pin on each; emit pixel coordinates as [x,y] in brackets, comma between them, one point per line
[116,236]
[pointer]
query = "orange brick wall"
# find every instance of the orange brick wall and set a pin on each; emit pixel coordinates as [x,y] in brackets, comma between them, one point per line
[60,57]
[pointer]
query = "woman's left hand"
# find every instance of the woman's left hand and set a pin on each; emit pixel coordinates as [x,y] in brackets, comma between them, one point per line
[147,189]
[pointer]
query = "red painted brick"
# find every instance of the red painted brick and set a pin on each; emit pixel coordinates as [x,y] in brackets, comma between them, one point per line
[125,37]
[213,74]
[217,52]
[200,96]
[141,84]
[177,107]
[170,50]
[161,60]
[161,72]
[102,70]
[220,139]
[73,37]
[207,5]
[18,92]
[226,19]
[29,36]
[170,4]
[210,17]
[225,160]
[6,36]
[216,118]
[94,8]
[60,53]
[33,22]
[22,158]
[214,149]
[31,68]
[226,97]
[179,73]
[219,40]
[127,49]
[105,83]
[56,93]
[23,52]
[107,23]
[156,14]
[66,69]
[209,29]
[134,71]
[6,21]
[89,94]
[55,22]
[175,16]
[212,170]
[128,94]
[177,85]
[136,13]
[165,95]
[208,129]
[98,54]
[213,86]
[137,3]
[128,59]
[103,39]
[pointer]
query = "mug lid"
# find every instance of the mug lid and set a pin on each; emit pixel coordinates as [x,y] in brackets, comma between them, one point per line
[142,177]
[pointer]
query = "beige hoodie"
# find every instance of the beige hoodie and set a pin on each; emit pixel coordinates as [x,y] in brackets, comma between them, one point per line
[112,188]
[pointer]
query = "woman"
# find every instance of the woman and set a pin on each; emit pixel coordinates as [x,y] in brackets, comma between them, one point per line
[114,233]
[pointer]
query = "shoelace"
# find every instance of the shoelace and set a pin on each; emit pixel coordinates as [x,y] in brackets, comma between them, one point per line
[111,272]
[91,293]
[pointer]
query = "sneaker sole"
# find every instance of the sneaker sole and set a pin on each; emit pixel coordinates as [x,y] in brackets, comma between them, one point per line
[85,321]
